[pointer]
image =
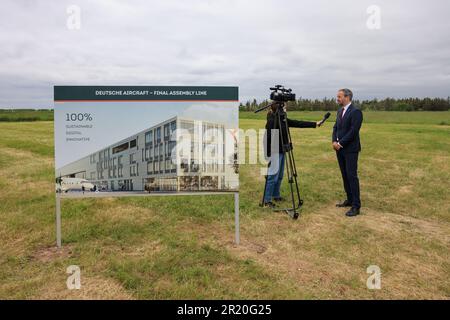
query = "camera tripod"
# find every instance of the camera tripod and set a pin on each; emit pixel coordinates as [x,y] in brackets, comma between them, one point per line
[291,170]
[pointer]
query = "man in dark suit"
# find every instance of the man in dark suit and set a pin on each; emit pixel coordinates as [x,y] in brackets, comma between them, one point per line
[347,145]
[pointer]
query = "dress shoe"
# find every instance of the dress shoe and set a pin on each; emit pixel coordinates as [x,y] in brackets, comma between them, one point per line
[352,212]
[343,204]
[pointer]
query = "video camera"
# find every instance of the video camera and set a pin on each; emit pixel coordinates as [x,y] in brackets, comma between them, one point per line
[281,94]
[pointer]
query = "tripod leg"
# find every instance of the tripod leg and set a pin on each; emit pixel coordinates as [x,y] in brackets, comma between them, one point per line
[292,177]
[300,201]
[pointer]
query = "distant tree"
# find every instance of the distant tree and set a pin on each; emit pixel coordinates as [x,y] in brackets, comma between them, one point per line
[388,104]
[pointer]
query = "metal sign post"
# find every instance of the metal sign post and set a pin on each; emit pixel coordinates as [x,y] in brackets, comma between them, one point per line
[236,217]
[58,221]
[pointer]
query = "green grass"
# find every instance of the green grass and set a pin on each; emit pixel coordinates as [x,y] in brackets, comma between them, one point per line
[182,247]
[34,137]
[17,115]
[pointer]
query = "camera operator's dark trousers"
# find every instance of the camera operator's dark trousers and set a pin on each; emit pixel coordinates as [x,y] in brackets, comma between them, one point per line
[348,163]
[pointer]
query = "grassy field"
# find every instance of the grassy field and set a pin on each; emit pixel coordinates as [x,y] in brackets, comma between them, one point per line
[14,115]
[152,248]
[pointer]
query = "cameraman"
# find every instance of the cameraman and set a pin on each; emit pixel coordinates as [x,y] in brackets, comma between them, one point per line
[277,160]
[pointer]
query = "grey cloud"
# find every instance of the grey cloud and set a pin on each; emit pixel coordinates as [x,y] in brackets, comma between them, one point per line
[314,47]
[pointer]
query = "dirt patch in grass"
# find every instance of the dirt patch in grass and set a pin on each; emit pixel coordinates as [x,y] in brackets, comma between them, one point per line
[49,254]
[405,189]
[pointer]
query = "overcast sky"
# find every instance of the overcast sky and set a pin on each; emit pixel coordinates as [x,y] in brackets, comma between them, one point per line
[314,47]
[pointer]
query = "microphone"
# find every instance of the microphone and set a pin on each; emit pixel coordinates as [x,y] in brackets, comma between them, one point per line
[325,117]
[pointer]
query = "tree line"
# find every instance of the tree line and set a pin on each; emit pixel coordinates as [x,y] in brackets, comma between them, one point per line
[388,104]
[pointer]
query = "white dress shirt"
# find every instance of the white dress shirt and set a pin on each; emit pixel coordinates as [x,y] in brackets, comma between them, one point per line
[345,109]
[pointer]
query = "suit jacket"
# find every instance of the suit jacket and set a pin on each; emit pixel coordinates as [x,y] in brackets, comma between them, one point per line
[272,124]
[346,130]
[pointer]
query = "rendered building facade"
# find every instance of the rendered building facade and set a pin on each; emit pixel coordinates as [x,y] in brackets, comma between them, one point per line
[162,158]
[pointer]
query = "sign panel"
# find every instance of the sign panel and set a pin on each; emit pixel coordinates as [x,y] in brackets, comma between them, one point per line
[158,139]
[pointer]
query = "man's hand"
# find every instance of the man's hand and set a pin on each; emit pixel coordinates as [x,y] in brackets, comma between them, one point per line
[319,123]
[336,146]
